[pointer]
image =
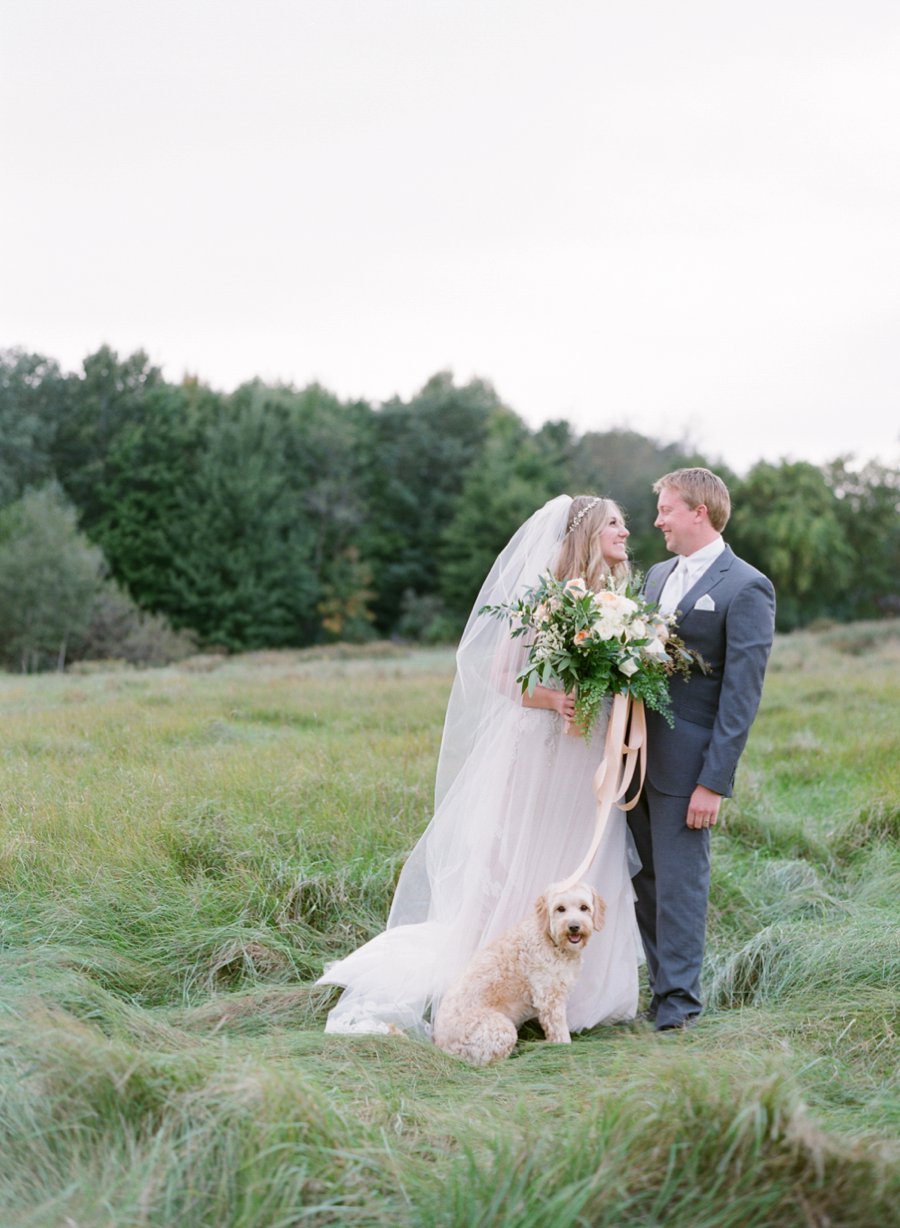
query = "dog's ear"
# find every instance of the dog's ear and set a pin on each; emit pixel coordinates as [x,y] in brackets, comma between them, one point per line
[542,911]
[599,911]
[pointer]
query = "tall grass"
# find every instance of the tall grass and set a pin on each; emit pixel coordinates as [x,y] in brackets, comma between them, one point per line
[181,850]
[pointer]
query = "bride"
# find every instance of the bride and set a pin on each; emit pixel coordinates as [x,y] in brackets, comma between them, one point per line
[514,809]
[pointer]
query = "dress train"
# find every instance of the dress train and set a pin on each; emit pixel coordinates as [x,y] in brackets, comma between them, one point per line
[519,818]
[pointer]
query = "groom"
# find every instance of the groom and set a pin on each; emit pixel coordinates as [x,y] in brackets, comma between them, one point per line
[726,612]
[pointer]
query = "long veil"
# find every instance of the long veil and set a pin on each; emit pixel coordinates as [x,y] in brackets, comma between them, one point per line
[506,818]
[484,701]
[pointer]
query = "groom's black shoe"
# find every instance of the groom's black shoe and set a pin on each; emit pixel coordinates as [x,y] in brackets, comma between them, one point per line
[679,1025]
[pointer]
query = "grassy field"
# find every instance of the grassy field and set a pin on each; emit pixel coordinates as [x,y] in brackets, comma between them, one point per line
[182,849]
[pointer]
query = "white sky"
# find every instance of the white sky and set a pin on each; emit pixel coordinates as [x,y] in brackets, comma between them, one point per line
[679,217]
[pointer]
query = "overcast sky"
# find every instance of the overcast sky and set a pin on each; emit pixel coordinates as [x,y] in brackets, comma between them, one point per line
[679,217]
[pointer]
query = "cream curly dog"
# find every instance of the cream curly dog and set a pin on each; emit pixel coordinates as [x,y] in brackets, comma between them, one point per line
[524,974]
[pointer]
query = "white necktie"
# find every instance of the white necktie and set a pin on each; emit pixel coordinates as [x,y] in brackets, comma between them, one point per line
[676,586]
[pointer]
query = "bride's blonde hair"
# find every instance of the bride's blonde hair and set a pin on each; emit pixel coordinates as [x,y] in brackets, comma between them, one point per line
[580,554]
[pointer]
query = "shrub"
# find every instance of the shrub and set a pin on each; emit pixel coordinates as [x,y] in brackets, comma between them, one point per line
[119,630]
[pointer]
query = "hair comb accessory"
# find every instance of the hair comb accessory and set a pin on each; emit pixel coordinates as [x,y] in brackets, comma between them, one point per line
[580,515]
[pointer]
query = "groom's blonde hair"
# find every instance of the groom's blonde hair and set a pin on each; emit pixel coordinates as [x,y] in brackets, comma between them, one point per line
[698,486]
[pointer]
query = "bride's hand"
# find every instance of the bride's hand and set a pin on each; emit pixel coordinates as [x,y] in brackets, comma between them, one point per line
[554,700]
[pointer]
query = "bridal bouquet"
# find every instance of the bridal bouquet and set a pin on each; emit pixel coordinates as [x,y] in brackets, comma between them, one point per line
[596,644]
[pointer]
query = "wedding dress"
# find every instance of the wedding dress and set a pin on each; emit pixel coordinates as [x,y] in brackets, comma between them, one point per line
[514,812]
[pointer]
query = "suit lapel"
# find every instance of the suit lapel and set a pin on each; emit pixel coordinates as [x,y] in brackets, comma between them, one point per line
[656,581]
[715,573]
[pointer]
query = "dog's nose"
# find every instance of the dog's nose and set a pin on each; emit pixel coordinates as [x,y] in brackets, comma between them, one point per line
[574,927]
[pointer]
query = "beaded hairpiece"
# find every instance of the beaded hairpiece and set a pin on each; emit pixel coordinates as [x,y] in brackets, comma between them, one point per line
[579,516]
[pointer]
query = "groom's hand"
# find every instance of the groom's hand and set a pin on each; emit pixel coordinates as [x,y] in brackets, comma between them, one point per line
[703,808]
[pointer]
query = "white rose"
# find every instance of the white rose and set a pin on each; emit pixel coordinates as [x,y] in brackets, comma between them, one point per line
[637,630]
[603,629]
[656,648]
[628,667]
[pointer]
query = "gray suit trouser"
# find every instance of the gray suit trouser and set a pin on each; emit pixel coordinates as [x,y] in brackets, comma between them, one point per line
[672,890]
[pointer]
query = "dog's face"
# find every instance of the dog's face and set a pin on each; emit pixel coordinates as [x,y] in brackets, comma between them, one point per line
[571,916]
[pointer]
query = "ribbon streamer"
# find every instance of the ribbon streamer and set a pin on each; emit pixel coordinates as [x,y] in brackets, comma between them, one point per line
[616,771]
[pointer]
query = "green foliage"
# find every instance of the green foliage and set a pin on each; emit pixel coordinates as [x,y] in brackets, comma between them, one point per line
[422,452]
[344,608]
[243,578]
[786,521]
[276,516]
[869,511]
[94,408]
[425,620]
[513,475]
[49,577]
[120,631]
[30,387]
[55,603]
[138,512]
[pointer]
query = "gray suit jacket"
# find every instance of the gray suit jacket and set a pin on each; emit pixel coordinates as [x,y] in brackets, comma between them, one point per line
[713,712]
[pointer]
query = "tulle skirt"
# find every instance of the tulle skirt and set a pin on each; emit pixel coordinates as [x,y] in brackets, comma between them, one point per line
[519,817]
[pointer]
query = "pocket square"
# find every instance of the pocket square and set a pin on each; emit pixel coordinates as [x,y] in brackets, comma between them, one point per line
[705,603]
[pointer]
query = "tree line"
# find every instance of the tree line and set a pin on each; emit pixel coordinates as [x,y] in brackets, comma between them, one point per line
[139,516]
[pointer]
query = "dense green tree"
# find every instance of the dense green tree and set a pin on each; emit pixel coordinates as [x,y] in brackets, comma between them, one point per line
[229,514]
[422,451]
[326,461]
[513,475]
[787,522]
[280,516]
[327,455]
[869,510]
[243,577]
[49,577]
[30,391]
[138,511]
[96,406]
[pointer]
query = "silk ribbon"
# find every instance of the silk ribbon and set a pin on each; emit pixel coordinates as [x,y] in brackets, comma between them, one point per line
[624,751]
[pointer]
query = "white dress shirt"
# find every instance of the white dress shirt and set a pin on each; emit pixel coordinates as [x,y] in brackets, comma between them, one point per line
[686,572]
